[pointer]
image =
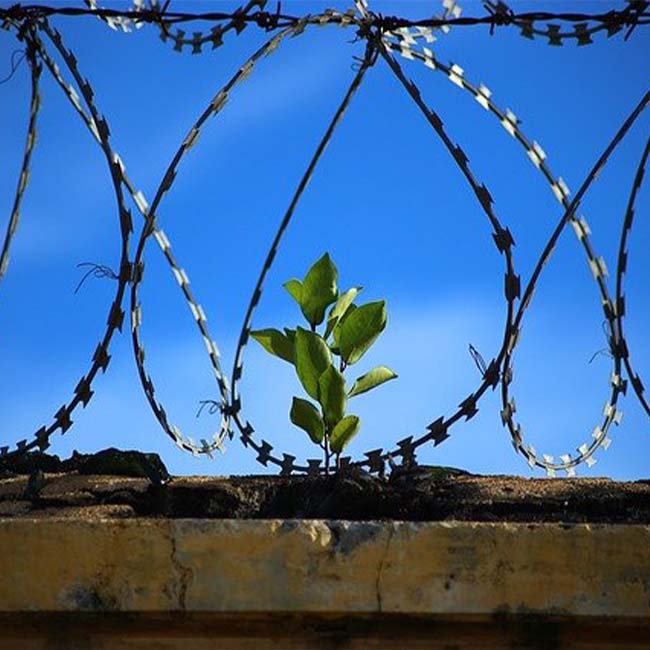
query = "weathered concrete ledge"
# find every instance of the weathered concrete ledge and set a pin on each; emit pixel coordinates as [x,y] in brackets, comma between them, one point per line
[318,567]
[433,558]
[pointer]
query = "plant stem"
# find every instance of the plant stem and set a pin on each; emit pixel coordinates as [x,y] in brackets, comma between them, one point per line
[327,454]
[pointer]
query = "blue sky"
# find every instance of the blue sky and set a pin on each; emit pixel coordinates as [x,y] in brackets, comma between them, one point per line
[387,202]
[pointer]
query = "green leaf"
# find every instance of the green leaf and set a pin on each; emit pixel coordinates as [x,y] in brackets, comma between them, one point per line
[312,358]
[306,416]
[343,432]
[341,306]
[337,328]
[276,343]
[360,329]
[290,334]
[332,397]
[294,287]
[372,379]
[318,290]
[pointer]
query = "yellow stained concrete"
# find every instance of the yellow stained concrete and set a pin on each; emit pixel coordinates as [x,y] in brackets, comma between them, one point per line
[318,566]
[101,565]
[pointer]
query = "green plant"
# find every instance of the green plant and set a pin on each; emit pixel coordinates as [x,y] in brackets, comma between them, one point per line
[321,359]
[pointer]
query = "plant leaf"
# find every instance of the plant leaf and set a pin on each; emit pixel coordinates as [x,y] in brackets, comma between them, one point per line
[294,287]
[318,290]
[343,432]
[337,328]
[276,343]
[312,358]
[359,330]
[332,397]
[341,306]
[372,379]
[306,416]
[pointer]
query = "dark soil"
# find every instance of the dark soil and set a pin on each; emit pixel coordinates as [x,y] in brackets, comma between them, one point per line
[131,484]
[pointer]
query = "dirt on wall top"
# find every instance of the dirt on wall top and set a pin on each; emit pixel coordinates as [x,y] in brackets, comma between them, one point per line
[128,484]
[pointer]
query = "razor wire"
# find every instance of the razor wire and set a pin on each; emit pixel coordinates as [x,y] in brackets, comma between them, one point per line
[611,414]
[213,108]
[100,360]
[383,35]
[23,177]
[140,201]
[437,432]
[456,75]
[621,270]
[581,32]
[498,15]
[214,36]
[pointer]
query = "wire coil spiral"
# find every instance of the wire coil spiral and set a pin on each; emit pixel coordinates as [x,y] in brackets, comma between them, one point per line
[386,39]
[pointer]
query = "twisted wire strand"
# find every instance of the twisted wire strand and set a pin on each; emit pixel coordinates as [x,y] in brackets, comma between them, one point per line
[213,108]
[620,341]
[405,37]
[410,35]
[83,391]
[612,20]
[23,177]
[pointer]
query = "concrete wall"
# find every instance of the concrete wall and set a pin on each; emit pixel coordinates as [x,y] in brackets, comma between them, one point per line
[155,583]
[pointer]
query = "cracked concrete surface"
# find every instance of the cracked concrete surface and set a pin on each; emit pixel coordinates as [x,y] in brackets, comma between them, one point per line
[319,566]
[380,568]
[181,576]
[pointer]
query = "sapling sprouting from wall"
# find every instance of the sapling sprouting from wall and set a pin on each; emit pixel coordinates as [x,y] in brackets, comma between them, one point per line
[338,333]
